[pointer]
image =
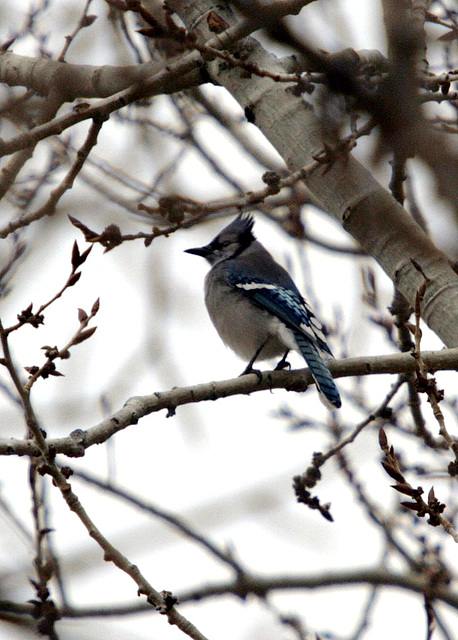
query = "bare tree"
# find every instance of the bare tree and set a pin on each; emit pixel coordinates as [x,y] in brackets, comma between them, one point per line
[127,124]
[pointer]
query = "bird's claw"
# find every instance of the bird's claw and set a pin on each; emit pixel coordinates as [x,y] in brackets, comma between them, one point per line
[283,364]
[250,369]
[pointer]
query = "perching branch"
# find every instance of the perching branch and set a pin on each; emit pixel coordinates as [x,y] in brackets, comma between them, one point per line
[138,407]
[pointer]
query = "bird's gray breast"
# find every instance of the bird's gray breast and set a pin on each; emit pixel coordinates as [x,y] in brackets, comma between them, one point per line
[242,325]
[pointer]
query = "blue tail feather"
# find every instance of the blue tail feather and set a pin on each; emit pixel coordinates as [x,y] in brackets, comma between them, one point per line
[321,374]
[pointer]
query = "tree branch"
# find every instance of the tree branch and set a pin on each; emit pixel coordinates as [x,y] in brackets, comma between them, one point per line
[261,586]
[136,408]
[74,80]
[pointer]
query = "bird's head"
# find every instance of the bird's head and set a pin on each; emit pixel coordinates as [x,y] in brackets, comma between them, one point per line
[230,242]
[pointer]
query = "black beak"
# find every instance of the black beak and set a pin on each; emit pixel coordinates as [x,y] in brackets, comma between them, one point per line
[200,251]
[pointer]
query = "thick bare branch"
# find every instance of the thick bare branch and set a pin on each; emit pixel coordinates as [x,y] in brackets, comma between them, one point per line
[74,80]
[136,408]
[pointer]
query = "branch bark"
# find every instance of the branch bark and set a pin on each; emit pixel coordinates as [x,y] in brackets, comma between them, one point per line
[74,80]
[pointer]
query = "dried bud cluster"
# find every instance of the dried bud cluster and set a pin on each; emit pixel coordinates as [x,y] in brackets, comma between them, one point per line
[433,508]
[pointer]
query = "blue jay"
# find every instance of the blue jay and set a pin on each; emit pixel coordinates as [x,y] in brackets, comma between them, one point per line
[257,309]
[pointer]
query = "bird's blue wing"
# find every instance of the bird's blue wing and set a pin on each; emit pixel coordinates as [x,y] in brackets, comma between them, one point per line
[286,304]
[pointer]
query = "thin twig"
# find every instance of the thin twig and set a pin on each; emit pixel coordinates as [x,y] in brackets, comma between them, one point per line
[176,523]
[49,206]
